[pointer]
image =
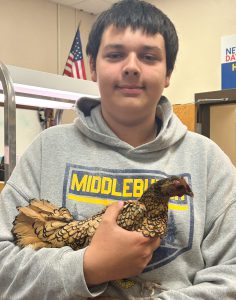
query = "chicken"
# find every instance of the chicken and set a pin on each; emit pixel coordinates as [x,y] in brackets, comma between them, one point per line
[42,224]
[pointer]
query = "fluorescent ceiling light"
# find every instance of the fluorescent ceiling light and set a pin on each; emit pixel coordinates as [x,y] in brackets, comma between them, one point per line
[41,89]
[39,102]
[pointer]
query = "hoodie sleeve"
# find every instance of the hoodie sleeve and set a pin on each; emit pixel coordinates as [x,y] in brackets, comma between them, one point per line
[26,273]
[218,279]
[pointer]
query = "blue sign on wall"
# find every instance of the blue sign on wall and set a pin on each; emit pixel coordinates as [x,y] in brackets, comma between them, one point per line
[228,62]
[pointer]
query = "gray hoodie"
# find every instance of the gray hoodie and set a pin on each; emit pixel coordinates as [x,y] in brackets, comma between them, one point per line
[85,166]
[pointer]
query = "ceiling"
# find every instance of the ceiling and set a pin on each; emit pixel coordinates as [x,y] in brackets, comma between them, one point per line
[90,6]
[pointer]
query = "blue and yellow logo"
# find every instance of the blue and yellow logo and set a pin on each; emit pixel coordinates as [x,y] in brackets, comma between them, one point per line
[103,187]
[100,186]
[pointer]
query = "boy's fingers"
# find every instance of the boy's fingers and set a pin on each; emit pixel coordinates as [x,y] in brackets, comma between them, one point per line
[113,211]
[155,243]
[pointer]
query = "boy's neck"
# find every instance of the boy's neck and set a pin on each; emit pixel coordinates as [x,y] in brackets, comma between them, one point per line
[135,135]
[138,139]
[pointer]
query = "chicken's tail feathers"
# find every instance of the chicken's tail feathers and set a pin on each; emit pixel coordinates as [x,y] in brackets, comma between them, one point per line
[37,221]
[32,241]
[23,231]
[44,210]
[51,211]
[42,205]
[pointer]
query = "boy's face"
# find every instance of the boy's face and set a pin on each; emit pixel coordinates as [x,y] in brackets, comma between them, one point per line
[131,74]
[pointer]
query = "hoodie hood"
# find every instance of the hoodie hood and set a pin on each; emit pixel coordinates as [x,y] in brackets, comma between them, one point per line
[91,123]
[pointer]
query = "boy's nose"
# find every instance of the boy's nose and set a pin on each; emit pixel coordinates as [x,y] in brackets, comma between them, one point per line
[131,66]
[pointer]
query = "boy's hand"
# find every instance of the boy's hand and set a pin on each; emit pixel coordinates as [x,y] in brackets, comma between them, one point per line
[116,253]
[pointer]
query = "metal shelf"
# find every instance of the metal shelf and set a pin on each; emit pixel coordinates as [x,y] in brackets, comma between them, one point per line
[205,100]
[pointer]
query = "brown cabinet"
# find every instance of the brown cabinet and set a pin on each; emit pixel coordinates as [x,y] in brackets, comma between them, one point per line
[216,118]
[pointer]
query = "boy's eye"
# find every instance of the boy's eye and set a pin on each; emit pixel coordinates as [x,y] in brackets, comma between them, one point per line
[149,57]
[114,55]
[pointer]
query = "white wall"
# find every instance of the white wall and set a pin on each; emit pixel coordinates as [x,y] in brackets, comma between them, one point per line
[37,34]
[200,25]
[27,127]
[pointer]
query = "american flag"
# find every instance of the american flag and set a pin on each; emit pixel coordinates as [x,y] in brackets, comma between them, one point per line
[75,63]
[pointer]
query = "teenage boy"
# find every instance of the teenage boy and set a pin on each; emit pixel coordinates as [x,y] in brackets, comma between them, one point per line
[116,147]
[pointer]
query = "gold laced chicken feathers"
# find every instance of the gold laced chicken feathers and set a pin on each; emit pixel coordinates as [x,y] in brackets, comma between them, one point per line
[42,224]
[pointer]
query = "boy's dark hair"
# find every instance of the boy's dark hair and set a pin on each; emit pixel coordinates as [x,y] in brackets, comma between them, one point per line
[136,14]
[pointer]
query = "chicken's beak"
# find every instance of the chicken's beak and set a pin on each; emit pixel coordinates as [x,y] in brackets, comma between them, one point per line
[189,191]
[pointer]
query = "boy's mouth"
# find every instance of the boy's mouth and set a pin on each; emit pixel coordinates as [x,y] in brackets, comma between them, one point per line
[130,89]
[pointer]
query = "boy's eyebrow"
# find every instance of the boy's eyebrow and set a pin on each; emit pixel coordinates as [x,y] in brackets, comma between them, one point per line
[152,48]
[113,46]
[144,47]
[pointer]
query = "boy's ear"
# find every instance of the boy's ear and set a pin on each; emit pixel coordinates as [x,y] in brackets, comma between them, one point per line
[92,66]
[168,76]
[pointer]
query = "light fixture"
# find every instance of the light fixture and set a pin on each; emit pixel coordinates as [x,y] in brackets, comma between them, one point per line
[31,88]
[40,89]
